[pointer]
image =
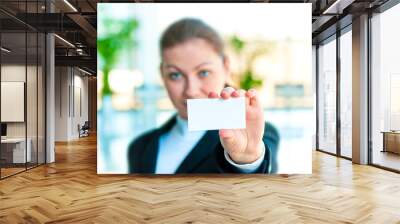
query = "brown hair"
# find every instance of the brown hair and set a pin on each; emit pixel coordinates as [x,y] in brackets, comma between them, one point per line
[189,28]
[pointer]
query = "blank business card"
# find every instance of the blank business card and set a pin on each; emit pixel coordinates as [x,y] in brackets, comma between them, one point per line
[215,114]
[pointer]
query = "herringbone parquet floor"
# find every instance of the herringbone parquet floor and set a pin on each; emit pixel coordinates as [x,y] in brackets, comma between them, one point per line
[70,191]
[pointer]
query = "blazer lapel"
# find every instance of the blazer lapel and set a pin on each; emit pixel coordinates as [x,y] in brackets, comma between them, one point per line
[203,148]
[149,158]
[150,155]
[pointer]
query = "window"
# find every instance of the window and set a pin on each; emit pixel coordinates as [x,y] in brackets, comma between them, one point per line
[327,96]
[385,84]
[346,94]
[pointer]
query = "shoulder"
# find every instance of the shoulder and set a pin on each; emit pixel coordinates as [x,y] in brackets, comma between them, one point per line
[271,140]
[139,143]
[271,131]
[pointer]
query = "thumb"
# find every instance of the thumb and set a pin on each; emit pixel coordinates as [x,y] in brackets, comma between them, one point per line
[227,137]
[226,134]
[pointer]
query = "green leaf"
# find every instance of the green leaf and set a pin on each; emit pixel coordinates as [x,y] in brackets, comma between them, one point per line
[248,81]
[237,43]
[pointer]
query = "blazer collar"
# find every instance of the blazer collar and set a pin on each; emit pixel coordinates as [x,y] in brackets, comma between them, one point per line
[149,158]
[201,150]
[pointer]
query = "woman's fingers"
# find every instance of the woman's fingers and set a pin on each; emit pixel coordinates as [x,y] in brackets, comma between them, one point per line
[213,95]
[251,93]
[254,98]
[227,92]
[238,93]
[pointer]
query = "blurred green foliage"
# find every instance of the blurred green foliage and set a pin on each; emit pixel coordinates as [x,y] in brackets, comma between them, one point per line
[248,52]
[120,35]
[237,43]
[247,81]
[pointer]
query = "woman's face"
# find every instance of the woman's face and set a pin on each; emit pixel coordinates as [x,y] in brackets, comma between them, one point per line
[191,70]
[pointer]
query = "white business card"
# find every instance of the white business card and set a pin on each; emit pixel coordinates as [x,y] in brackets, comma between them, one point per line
[215,114]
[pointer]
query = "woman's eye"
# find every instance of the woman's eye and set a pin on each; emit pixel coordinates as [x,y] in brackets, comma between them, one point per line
[204,73]
[174,75]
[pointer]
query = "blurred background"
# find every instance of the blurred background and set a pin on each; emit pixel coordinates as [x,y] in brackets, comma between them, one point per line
[269,46]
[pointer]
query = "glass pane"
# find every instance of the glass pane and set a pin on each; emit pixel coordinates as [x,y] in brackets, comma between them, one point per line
[386,89]
[31,84]
[41,99]
[31,99]
[327,97]
[23,79]
[346,94]
[13,87]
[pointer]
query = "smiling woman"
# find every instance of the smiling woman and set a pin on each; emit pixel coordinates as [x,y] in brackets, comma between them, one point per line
[194,66]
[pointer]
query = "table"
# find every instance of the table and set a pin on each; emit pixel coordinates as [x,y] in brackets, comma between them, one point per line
[16,147]
[391,141]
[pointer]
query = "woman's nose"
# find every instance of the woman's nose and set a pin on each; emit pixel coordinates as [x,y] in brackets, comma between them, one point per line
[192,89]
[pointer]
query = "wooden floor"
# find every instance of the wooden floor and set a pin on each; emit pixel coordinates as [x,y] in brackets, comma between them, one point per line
[70,191]
[10,171]
[5,172]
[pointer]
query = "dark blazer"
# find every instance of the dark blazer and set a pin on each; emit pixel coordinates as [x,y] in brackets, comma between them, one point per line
[207,156]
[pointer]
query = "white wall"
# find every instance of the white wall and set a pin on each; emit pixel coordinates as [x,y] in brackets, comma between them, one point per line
[62,81]
[12,73]
[80,100]
[71,93]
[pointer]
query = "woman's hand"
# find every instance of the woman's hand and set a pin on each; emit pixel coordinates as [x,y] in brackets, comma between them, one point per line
[244,145]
